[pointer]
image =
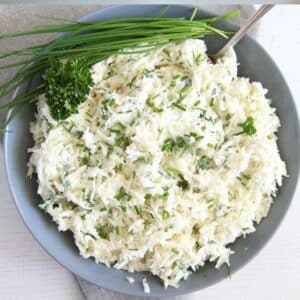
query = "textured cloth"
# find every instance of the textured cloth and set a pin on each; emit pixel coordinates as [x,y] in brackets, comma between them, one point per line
[92,292]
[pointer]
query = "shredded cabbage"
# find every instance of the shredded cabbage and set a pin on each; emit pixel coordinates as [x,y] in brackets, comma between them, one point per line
[153,172]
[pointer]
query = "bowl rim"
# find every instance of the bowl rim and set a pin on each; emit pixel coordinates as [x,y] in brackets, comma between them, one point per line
[116,288]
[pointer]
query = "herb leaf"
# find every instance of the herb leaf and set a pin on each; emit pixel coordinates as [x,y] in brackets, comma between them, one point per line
[122,195]
[204,163]
[183,183]
[102,232]
[168,145]
[67,83]
[247,127]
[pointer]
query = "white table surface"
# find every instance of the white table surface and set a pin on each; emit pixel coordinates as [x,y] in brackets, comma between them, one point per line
[27,272]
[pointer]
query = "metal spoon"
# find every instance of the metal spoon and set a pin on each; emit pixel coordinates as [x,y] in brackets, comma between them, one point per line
[243,30]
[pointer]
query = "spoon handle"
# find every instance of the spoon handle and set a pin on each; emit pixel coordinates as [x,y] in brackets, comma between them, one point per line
[243,30]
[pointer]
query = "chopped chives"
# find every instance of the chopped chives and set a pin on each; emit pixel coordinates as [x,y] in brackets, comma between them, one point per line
[117,230]
[179,106]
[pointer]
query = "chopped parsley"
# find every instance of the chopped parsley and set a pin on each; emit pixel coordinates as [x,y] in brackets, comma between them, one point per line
[247,127]
[168,145]
[48,201]
[147,196]
[145,160]
[204,163]
[103,232]
[119,167]
[171,144]
[122,141]
[67,83]
[228,117]
[85,161]
[182,183]
[122,195]
[181,142]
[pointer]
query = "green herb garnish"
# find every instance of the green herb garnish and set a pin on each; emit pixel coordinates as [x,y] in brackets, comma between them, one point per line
[174,250]
[174,78]
[66,85]
[182,183]
[196,136]
[119,168]
[102,232]
[197,58]
[147,196]
[168,145]
[171,145]
[244,178]
[85,161]
[124,208]
[150,103]
[182,141]
[247,127]
[122,141]
[165,215]
[117,230]
[122,195]
[164,196]
[210,203]
[148,73]
[174,265]
[229,271]
[228,117]
[204,162]
[138,209]
[198,246]
[203,115]
[179,106]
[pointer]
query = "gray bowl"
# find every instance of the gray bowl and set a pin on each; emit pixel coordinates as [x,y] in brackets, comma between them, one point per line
[256,64]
